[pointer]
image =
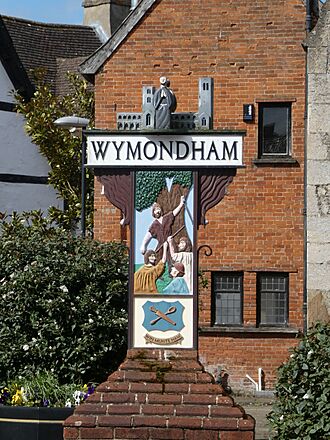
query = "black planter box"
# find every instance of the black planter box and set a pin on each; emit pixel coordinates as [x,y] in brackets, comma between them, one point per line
[22,423]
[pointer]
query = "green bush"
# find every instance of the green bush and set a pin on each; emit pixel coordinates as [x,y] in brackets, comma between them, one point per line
[63,302]
[302,407]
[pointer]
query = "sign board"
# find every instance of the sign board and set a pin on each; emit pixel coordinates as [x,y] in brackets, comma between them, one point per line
[164,150]
[163,259]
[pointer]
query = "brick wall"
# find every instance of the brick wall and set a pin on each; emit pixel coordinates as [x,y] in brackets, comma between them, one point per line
[253,51]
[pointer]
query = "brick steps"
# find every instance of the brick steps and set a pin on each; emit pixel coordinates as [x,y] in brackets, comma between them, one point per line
[160,394]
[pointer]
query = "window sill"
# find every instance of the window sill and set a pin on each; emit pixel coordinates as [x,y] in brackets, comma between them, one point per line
[221,330]
[275,161]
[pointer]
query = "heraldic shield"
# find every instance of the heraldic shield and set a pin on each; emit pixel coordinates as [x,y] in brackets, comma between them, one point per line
[163,316]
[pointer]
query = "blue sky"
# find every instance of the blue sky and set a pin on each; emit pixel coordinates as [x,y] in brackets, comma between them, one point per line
[51,11]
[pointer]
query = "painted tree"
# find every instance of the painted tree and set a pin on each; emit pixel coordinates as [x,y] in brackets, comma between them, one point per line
[165,188]
[58,146]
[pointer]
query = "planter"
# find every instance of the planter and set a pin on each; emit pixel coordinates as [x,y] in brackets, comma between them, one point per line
[22,423]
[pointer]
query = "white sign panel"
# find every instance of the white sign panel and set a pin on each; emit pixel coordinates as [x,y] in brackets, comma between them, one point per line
[152,331]
[162,150]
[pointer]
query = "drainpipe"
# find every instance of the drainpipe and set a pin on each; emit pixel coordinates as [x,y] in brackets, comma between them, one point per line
[305,293]
[134,4]
[308,16]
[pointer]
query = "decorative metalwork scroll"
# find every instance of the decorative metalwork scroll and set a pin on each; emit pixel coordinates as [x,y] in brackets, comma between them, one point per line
[117,189]
[212,189]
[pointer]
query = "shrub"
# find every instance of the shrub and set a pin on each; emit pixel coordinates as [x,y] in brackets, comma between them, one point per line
[63,302]
[58,146]
[302,407]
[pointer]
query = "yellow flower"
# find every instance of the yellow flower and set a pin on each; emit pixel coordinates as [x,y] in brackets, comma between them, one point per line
[17,398]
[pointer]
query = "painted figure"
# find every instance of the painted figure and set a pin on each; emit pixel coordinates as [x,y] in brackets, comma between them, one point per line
[145,278]
[184,256]
[161,227]
[178,285]
[164,102]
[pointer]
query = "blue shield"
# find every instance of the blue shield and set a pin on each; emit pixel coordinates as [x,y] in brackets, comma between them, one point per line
[163,316]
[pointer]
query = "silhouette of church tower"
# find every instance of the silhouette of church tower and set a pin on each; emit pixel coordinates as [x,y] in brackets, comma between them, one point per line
[202,120]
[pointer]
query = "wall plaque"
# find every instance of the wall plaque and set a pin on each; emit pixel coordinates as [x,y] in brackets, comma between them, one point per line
[123,149]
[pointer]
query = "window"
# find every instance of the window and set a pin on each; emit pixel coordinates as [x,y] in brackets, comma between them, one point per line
[273,295]
[227,288]
[274,129]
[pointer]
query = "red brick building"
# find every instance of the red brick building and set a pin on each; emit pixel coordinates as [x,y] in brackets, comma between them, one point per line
[252,308]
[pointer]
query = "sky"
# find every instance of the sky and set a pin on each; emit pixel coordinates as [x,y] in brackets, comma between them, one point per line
[50,11]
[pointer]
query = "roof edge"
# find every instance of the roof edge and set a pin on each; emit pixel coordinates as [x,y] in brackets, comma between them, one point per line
[12,64]
[93,63]
[45,24]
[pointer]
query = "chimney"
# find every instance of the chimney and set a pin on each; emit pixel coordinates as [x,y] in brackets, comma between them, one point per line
[105,14]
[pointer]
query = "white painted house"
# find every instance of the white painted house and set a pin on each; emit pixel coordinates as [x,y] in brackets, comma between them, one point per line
[23,171]
[26,45]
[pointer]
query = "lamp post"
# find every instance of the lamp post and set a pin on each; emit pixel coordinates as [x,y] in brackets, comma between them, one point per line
[75,122]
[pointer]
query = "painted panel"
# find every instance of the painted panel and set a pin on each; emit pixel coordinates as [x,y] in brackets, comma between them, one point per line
[163,233]
[163,259]
[163,334]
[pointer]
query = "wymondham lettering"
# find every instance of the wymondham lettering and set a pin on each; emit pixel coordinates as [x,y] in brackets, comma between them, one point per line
[130,152]
[100,150]
[226,150]
[135,152]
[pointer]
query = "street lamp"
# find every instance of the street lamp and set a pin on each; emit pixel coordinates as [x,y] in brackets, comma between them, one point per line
[75,122]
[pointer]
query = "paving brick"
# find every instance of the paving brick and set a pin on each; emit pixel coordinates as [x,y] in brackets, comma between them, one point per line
[185,422]
[165,398]
[225,435]
[115,420]
[71,433]
[201,435]
[192,410]
[166,434]
[96,433]
[149,409]
[149,421]
[132,433]
[80,421]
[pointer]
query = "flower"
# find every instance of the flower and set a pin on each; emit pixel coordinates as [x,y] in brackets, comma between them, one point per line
[64,289]
[25,347]
[19,397]
[4,395]
[43,390]
[68,403]
[78,396]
